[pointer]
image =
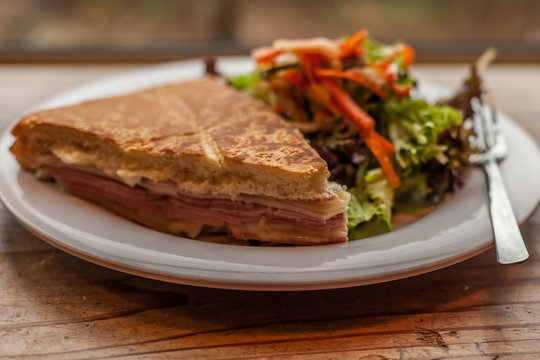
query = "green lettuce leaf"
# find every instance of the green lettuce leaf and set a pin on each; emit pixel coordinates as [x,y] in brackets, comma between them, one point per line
[244,82]
[414,127]
[374,51]
[252,85]
[370,209]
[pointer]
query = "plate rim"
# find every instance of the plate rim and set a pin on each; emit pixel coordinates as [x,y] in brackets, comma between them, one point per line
[243,284]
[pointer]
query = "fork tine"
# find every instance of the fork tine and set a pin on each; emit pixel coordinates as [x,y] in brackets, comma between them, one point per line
[488,122]
[500,148]
[485,124]
[478,123]
[491,104]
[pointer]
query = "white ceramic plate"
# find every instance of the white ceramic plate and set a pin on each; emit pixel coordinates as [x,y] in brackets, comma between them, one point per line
[457,230]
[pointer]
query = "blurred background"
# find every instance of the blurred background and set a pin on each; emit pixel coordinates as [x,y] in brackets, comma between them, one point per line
[157,30]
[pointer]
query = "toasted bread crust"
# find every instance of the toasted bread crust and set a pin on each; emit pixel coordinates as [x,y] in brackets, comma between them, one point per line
[204,135]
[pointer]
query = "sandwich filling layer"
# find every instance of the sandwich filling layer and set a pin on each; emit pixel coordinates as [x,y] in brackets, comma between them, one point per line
[247,217]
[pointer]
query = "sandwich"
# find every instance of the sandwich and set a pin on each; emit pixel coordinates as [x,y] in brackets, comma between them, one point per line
[191,158]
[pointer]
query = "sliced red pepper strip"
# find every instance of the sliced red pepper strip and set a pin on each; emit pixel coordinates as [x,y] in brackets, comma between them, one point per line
[351,44]
[382,150]
[265,54]
[356,77]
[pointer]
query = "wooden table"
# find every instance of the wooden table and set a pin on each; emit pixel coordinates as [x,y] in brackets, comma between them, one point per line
[56,306]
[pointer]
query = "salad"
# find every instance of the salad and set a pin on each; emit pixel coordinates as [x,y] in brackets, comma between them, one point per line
[353,99]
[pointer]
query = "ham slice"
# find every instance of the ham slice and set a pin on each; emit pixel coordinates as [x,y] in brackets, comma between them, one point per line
[182,213]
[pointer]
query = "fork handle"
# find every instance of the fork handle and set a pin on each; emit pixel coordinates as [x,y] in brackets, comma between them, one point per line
[508,240]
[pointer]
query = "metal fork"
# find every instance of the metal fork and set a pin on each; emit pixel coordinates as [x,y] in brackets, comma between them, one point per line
[492,148]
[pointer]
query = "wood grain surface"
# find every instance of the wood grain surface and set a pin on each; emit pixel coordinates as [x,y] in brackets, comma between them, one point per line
[56,306]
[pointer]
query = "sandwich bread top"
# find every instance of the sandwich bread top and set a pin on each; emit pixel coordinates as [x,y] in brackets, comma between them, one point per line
[203,135]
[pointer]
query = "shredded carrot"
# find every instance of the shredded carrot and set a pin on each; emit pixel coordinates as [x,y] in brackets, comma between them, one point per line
[383,157]
[265,54]
[352,43]
[401,90]
[321,92]
[387,144]
[407,53]
[295,78]
[319,117]
[356,77]
[333,108]
[380,147]
[349,108]
[314,56]
[277,108]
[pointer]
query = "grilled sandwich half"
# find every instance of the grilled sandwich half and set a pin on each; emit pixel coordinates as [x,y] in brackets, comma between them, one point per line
[189,158]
